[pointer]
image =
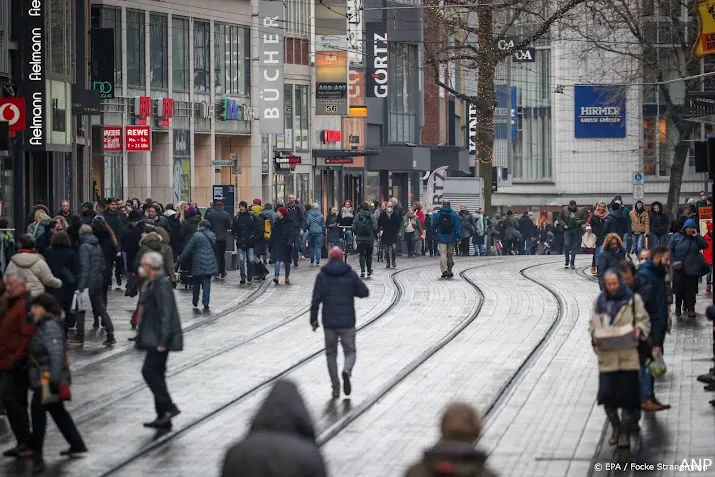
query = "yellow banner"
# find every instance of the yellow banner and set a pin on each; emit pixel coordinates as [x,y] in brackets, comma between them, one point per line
[705,43]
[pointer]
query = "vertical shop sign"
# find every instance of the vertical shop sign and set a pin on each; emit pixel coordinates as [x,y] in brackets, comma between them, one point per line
[331,75]
[35,86]
[270,66]
[377,60]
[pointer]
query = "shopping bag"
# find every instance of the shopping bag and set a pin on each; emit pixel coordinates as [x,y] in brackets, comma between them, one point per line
[81,301]
[47,396]
[657,367]
[614,337]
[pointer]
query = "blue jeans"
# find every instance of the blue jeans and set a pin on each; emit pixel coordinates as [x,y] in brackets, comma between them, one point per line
[316,244]
[525,246]
[278,268]
[297,247]
[638,243]
[596,254]
[242,253]
[656,240]
[646,383]
[202,281]
[572,242]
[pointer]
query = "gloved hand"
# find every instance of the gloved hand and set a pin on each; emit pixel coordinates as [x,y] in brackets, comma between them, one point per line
[315,325]
[54,387]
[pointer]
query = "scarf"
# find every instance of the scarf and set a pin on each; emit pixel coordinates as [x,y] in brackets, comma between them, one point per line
[611,304]
[347,212]
[600,215]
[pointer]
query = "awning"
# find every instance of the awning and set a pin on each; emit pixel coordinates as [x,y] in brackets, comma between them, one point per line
[344,153]
[454,157]
[701,106]
[400,159]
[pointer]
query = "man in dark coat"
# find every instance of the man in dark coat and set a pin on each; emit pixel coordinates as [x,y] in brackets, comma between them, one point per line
[336,287]
[154,215]
[131,237]
[117,220]
[282,240]
[659,225]
[220,225]
[281,441]
[159,333]
[244,231]
[297,215]
[88,214]
[688,262]
[91,278]
[571,219]
[527,229]
[64,211]
[16,332]
[390,224]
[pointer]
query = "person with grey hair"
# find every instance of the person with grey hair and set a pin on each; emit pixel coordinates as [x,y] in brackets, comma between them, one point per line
[91,279]
[200,250]
[315,224]
[160,331]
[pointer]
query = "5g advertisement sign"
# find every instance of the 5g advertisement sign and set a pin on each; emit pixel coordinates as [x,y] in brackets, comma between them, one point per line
[102,41]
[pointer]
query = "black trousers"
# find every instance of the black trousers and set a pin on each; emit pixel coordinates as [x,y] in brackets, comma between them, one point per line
[220,249]
[464,247]
[14,388]
[154,372]
[365,250]
[686,289]
[62,419]
[99,309]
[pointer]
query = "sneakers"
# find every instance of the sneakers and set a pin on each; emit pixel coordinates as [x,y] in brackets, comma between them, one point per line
[347,386]
[388,266]
[243,279]
[450,275]
[567,265]
[362,274]
[336,394]
[369,272]
[15,451]
[223,274]
[624,441]
[573,266]
[110,341]
[444,274]
[206,308]
[692,314]
[652,406]
[614,438]
[707,378]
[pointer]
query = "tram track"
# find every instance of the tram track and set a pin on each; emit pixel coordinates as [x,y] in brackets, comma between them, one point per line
[266,383]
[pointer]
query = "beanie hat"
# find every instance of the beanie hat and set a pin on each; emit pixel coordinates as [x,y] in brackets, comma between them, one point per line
[283,211]
[257,202]
[243,203]
[336,253]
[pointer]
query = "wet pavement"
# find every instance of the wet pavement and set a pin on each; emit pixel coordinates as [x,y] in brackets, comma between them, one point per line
[508,334]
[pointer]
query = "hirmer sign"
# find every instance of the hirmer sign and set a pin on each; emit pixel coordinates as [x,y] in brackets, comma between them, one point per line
[600,111]
[35,87]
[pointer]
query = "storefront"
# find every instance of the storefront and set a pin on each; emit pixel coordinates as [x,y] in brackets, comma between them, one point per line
[400,170]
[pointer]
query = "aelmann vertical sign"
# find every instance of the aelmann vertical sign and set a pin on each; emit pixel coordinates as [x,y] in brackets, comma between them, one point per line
[34,85]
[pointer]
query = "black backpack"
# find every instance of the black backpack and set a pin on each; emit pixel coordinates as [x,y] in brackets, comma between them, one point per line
[362,225]
[445,223]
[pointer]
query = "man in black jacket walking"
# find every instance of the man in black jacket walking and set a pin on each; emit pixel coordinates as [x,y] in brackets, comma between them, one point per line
[220,225]
[336,287]
[117,221]
[159,333]
[297,213]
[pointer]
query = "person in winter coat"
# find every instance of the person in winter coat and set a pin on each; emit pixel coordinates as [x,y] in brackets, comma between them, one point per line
[37,228]
[690,212]
[598,226]
[613,254]
[280,442]
[88,213]
[653,273]
[708,256]
[449,231]
[688,263]
[16,332]
[32,267]
[412,229]
[618,383]
[62,260]
[244,231]
[659,225]
[297,215]
[189,226]
[430,234]
[527,229]
[336,287]
[640,226]
[220,225]
[116,220]
[75,222]
[468,230]
[571,220]
[421,216]
[48,363]
[200,250]
[155,239]
[455,453]
[331,225]
[282,242]
[160,332]
[345,219]
[390,224]
[618,220]
[91,278]
[131,237]
[110,248]
[154,216]
[480,233]
[315,225]
[365,232]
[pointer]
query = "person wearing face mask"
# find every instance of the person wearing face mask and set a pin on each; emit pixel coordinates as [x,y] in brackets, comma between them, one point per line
[688,263]
[613,254]
[618,221]
[640,226]
[390,224]
[659,225]
[345,219]
[412,229]
[653,273]
[703,200]
[618,382]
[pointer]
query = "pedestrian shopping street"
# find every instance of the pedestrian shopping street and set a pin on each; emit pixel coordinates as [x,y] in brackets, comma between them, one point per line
[508,334]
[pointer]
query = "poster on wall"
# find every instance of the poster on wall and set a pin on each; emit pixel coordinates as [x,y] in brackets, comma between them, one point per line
[182,180]
[505,113]
[331,81]
[600,111]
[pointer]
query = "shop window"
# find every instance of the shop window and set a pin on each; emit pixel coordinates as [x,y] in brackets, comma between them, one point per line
[109,17]
[180,53]
[136,47]
[60,36]
[656,149]
[402,95]
[302,192]
[230,59]
[159,50]
[288,117]
[202,56]
[301,118]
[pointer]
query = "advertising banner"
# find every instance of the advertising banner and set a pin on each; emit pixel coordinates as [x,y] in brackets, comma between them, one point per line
[505,115]
[376,58]
[112,139]
[705,215]
[137,138]
[102,68]
[12,110]
[705,42]
[331,82]
[270,66]
[435,187]
[600,111]
[35,88]
[472,136]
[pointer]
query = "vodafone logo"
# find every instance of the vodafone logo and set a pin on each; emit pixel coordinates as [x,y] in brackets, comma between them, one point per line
[12,110]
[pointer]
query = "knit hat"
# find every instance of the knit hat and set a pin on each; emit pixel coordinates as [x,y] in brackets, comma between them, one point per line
[336,253]
[283,211]
[257,202]
[135,216]
[87,205]
[243,203]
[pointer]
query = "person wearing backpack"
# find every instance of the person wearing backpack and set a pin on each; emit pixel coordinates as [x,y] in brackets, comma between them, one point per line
[449,232]
[365,233]
[315,223]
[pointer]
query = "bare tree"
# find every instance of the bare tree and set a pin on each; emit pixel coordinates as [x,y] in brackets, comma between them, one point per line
[467,33]
[656,35]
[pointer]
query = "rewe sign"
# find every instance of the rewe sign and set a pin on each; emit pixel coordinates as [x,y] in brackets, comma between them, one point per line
[137,138]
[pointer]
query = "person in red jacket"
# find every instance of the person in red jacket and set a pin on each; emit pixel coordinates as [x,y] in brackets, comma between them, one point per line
[421,216]
[708,254]
[15,334]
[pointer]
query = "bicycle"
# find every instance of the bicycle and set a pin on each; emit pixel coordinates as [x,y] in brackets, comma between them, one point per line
[347,246]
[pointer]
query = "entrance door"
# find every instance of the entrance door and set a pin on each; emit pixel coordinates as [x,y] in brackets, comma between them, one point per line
[352,185]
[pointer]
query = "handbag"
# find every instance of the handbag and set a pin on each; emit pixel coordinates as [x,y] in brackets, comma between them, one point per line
[614,337]
[81,301]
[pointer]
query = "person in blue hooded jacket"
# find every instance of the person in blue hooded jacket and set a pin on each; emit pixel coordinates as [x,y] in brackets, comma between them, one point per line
[336,287]
[449,231]
[688,262]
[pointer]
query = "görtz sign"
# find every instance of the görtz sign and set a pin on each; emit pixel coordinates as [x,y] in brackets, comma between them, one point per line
[35,86]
